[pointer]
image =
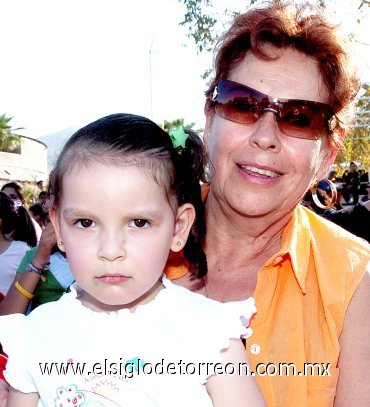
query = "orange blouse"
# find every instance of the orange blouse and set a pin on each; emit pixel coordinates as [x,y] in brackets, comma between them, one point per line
[301,296]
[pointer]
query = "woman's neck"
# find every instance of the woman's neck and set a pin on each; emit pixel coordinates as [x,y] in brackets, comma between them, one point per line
[233,233]
[237,247]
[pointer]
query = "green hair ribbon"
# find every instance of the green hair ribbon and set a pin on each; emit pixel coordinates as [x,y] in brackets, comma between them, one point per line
[178,136]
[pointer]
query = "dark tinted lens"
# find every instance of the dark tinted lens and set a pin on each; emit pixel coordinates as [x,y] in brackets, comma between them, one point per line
[238,103]
[302,119]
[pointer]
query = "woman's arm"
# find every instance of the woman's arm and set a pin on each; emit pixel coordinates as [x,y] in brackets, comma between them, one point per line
[234,390]
[15,301]
[19,399]
[354,363]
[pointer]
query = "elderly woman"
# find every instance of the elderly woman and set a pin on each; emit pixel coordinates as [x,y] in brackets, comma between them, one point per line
[275,116]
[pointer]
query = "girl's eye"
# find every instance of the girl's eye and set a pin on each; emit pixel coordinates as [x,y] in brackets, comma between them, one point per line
[139,223]
[85,223]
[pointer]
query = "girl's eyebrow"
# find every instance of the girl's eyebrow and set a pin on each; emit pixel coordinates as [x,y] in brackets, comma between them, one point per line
[137,214]
[76,213]
[143,213]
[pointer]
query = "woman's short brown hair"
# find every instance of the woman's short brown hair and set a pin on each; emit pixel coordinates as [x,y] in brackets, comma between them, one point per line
[300,27]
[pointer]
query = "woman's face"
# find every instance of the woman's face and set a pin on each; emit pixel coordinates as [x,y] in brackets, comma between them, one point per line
[258,170]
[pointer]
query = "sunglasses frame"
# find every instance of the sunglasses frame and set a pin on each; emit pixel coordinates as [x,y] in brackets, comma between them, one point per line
[265,103]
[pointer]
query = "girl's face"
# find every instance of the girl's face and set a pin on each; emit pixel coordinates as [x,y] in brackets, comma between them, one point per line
[258,169]
[117,228]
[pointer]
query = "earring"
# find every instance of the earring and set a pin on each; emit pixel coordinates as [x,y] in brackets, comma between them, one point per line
[179,243]
[333,197]
[208,171]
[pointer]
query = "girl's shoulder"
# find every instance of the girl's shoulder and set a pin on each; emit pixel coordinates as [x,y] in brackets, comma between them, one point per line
[204,327]
[204,312]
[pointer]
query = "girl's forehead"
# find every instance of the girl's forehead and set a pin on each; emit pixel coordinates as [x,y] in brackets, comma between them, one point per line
[114,183]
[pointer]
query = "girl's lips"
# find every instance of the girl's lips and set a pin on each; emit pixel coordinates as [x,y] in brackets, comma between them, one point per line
[113,279]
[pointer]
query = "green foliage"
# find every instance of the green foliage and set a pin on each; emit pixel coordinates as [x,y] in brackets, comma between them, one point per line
[200,24]
[9,141]
[357,142]
[364,3]
[167,125]
[29,195]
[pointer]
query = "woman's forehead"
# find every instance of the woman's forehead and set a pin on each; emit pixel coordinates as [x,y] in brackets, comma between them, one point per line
[292,75]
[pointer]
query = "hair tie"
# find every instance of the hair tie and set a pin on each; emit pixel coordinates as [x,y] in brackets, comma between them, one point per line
[178,136]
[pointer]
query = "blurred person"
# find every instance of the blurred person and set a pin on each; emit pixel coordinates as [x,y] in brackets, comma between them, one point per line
[351,185]
[16,194]
[366,197]
[43,273]
[43,196]
[364,180]
[355,219]
[38,214]
[15,240]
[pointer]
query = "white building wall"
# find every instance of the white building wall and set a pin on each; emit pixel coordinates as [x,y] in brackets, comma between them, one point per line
[30,166]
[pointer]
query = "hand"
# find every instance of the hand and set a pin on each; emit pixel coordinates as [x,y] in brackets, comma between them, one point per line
[47,241]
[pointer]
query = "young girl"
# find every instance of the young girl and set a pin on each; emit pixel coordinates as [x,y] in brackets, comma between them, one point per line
[124,196]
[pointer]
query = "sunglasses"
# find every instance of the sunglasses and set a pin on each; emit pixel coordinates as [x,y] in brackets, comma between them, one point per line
[296,118]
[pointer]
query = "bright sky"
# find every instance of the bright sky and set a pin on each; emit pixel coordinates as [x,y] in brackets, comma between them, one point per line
[66,63]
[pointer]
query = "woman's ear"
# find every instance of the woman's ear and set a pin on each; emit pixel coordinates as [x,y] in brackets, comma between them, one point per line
[184,221]
[208,111]
[328,158]
[54,219]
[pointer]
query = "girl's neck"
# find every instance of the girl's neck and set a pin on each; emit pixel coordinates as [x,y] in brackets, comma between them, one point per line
[94,304]
[4,243]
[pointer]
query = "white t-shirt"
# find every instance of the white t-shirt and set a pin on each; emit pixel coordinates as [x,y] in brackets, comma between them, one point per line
[155,356]
[9,262]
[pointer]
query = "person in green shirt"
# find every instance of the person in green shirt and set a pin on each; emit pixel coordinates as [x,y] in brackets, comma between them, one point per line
[42,276]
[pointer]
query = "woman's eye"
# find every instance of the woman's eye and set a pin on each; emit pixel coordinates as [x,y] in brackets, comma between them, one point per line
[85,223]
[297,118]
[139,223]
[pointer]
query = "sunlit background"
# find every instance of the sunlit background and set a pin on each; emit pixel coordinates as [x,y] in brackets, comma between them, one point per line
[66,63]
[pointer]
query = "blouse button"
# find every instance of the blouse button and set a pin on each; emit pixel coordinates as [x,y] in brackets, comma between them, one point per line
[255,349]
[277,260]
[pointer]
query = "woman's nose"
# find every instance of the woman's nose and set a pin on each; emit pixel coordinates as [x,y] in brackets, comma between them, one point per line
[266,133]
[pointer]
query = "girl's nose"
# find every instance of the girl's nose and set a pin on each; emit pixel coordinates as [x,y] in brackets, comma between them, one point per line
[112,247]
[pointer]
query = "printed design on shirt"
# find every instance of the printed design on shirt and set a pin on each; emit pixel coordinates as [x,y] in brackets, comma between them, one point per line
[107,389]
[69,396]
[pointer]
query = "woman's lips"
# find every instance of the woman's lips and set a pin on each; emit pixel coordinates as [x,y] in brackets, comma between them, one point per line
[257,171]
